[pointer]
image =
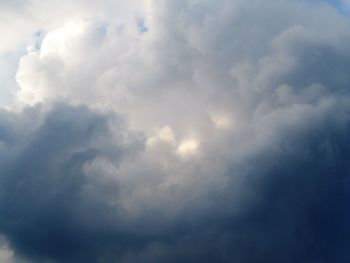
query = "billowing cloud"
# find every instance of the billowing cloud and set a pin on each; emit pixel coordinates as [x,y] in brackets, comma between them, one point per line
[175,131]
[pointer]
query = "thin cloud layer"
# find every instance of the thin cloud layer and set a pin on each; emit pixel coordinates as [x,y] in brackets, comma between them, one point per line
[178,131]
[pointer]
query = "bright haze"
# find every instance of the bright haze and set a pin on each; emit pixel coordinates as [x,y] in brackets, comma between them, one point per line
[177,131]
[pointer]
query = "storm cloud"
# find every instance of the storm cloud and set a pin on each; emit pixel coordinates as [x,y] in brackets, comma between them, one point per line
[175,131]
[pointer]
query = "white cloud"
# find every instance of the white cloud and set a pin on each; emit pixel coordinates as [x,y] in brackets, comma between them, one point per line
[188,147]
[219,91]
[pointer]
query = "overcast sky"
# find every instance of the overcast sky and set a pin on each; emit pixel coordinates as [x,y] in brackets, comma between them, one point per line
[174,131]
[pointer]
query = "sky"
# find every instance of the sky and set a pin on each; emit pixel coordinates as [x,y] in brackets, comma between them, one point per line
[174,131]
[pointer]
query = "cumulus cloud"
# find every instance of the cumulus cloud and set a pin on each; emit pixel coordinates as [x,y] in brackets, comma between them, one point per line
[176,131]
[47,194]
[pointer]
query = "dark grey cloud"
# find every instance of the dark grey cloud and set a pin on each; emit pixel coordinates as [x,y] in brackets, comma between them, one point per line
[296,209]
[79,185]
[50,208]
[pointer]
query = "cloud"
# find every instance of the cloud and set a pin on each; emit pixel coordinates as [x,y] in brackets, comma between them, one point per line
[180,131]
[50,206]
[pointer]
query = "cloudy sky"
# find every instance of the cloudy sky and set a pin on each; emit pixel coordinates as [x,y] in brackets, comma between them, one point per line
[175,131]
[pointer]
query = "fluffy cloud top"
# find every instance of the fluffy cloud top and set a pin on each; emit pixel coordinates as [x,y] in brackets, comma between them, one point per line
[175,131]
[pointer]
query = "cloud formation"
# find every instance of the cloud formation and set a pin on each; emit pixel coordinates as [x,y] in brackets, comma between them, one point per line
[176,131]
